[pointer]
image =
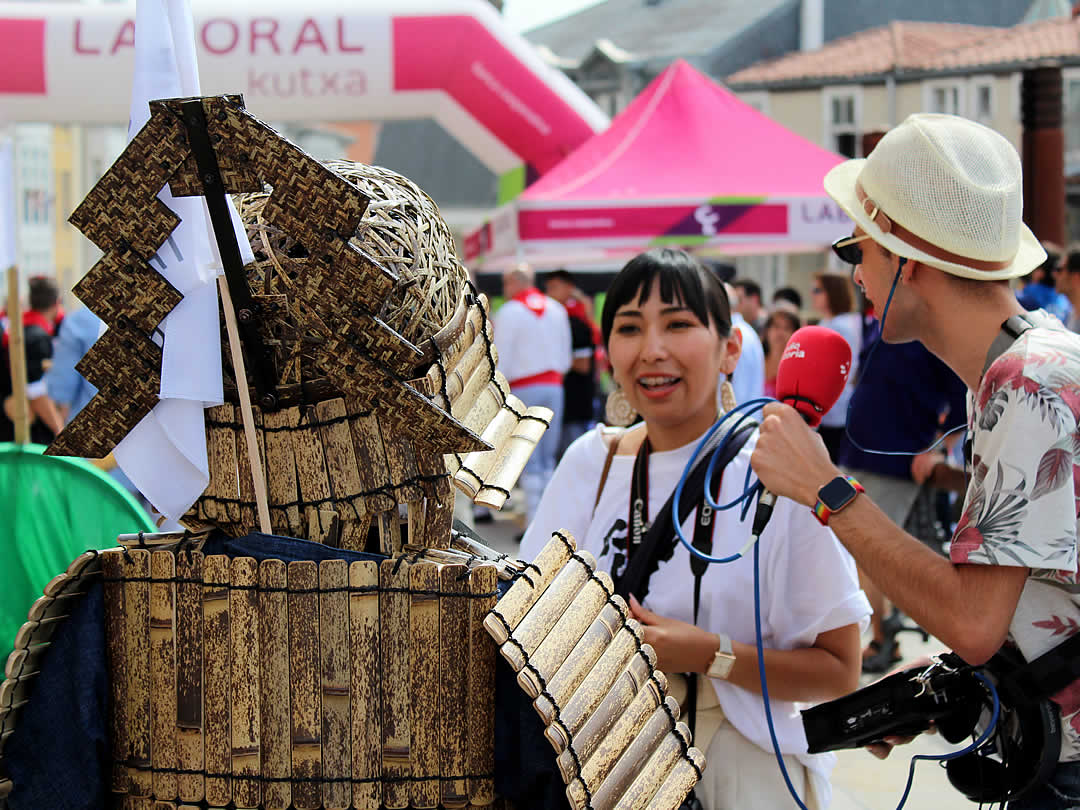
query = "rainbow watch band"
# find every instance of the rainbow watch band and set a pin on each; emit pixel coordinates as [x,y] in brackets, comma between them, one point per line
[823,513]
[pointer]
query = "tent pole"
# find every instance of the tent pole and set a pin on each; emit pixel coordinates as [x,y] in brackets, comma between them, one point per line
[17,406]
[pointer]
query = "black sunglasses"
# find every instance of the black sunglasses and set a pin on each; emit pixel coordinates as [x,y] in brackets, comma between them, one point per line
[848,248]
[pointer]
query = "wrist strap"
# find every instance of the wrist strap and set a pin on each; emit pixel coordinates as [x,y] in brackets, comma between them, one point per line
[823,513]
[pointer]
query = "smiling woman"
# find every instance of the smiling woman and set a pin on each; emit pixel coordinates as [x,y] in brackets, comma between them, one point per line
[667,329]
[667,326]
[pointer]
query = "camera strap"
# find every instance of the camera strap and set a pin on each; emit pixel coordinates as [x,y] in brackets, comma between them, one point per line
[1011,329]
[1044,676]
[659,540]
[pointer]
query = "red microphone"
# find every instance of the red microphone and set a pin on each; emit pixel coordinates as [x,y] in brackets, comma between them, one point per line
[813,371]
[811,376]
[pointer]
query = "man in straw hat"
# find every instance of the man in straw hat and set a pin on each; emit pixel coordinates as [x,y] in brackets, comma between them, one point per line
[938,234]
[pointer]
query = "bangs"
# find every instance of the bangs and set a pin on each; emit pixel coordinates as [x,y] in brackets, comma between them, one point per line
[681,281]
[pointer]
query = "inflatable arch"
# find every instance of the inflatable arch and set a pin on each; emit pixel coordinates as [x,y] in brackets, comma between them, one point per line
[451,60]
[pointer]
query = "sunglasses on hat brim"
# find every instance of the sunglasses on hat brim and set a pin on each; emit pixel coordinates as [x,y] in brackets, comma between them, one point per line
[848,248]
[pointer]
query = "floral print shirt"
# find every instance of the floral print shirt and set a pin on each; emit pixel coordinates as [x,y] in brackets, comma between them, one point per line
[1023,494]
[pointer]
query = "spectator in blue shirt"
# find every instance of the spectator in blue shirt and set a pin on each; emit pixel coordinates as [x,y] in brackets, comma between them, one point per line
[1039,292]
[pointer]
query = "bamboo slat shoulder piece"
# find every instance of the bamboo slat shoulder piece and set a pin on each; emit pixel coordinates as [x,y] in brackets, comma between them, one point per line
[594,684]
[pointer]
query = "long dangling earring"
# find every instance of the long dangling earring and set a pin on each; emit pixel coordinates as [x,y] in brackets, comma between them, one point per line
[617,409]
[727,397]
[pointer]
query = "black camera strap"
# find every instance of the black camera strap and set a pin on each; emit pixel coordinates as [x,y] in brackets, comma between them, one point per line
[1011,329]
[1044,676]
[658,542]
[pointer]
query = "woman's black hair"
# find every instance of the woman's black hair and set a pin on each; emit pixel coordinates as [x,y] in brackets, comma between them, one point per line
[683,280]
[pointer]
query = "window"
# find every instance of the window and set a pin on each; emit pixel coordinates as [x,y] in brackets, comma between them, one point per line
[606,101]
[843,113]
[944,97]
[982,101]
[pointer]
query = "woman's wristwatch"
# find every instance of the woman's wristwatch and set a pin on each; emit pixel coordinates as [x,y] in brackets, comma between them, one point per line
[834,496]
[723,660]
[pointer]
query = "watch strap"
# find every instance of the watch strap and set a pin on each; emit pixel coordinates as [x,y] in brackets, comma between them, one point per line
[823,512]
[723,659]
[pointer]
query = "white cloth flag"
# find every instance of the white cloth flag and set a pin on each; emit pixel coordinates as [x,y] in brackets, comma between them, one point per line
[165,455]
[7,203]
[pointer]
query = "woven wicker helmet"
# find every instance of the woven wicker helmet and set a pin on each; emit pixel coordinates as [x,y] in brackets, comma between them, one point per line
[429,305]
[402,229]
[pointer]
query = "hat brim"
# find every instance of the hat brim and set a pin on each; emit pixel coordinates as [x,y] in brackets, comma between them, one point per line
[840,185]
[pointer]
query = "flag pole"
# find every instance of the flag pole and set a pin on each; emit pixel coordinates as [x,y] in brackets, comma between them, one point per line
[239,370]
[19,410]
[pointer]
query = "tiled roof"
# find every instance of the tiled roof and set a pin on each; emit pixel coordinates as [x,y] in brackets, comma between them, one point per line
[1045,39]
[898,46]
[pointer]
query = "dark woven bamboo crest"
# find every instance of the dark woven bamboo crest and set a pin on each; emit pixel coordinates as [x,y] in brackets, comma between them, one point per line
[377,372]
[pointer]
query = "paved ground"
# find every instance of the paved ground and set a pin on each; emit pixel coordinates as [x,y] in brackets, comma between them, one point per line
[860,781]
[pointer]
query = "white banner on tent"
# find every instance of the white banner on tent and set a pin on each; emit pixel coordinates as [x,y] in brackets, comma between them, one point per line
[818,220]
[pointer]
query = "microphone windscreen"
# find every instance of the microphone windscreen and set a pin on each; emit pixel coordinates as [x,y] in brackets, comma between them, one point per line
[813,371]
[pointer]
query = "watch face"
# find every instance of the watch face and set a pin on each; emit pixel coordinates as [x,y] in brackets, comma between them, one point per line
[837,493]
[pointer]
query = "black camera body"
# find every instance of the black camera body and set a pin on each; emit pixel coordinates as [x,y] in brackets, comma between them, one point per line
[899,705]
[1021,751]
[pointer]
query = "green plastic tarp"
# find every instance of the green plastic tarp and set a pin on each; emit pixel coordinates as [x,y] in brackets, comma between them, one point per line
[52,509]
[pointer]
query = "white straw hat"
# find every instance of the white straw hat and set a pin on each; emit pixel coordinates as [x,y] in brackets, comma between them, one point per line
[944,191]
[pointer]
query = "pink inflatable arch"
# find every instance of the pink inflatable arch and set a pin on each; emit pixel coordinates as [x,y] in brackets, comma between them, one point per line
[317,60]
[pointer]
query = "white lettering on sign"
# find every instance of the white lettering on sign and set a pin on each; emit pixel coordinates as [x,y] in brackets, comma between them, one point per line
[707,218]
[581,222]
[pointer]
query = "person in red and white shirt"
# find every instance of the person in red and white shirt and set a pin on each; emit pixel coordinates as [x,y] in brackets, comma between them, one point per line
[532,335]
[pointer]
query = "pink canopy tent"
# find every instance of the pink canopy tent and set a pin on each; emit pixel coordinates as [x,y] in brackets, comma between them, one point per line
[688,164]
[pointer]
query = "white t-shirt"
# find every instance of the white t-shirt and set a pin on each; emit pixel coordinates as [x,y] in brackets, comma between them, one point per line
[530,344]
[808,580]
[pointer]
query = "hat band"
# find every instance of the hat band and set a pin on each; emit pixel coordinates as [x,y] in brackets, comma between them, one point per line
[888,225]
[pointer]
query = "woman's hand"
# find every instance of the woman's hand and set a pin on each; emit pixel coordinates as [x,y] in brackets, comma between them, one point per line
[680,646]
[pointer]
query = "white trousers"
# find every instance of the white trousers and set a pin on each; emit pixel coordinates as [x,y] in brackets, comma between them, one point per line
[738,774]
